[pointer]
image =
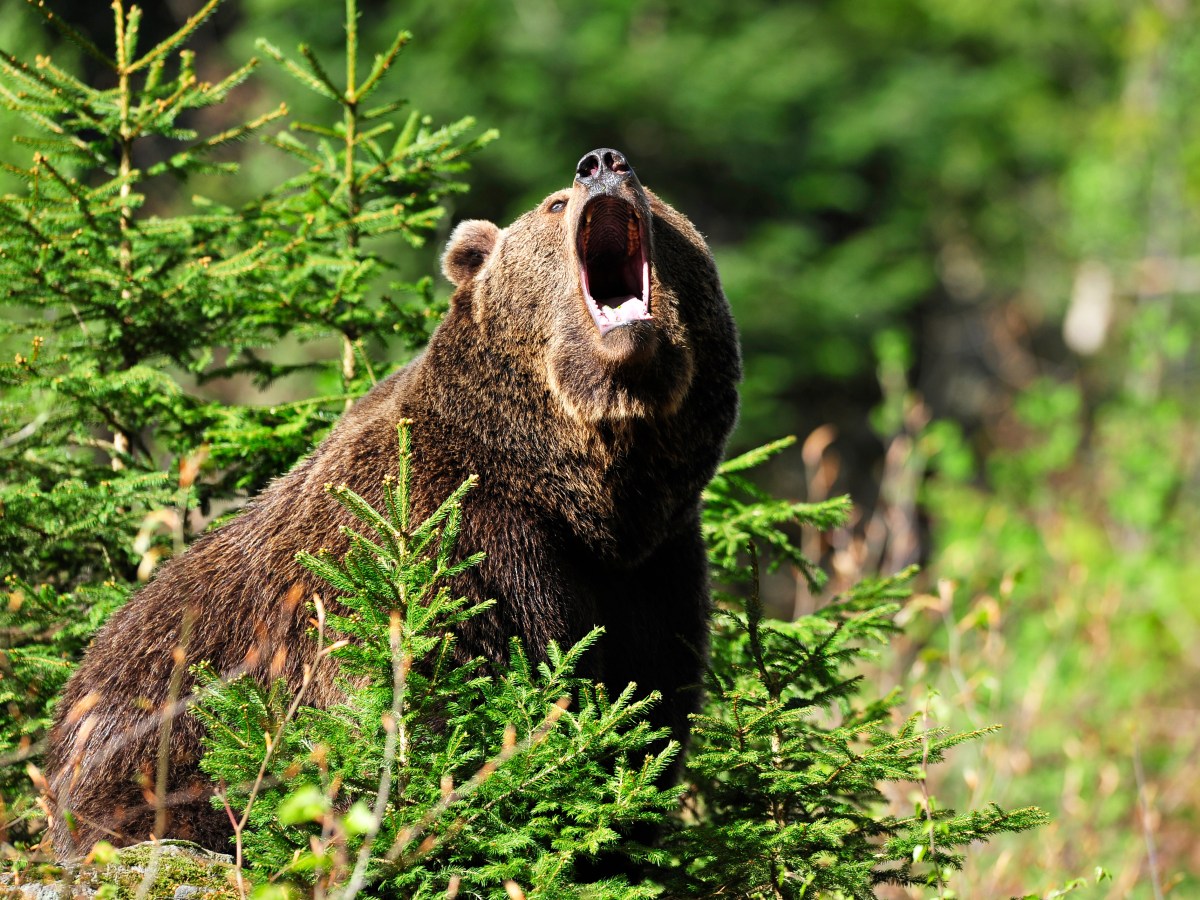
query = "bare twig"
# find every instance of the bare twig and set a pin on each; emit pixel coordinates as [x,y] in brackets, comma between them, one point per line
[26,431]
[941,884]
[1147,830]
[162,768]
[167,719]
[273,742]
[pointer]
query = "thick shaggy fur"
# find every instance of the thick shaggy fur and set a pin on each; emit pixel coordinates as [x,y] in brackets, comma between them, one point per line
[591,453]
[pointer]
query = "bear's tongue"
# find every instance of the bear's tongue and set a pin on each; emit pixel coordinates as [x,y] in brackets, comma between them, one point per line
[615,273]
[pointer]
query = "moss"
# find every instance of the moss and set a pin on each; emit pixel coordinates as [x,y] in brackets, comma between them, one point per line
[177,863]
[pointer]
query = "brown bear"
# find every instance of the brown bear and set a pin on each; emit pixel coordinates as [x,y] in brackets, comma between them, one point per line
[586,371]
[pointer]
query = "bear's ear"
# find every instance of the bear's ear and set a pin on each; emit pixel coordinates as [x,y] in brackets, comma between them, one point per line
[468,249]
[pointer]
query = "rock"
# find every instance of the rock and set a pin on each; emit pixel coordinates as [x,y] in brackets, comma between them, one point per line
[179,871]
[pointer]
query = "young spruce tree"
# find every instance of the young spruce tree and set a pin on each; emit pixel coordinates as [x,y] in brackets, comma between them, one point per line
[113,299]
[788,756]
[430,776]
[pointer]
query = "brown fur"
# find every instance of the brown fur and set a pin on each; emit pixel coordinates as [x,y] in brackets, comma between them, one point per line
[591,451]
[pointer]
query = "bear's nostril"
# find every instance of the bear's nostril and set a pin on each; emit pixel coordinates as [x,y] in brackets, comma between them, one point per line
[615,162]
[588,166]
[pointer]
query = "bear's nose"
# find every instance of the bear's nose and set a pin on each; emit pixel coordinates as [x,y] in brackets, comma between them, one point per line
[601,170]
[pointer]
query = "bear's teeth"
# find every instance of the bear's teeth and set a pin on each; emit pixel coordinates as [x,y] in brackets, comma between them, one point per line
[631,310]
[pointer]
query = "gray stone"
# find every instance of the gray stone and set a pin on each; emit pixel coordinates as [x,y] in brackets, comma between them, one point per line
[55,891]
[183,871]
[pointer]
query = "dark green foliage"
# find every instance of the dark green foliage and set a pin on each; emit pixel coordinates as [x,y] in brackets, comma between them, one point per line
[851,164]
[112,297]
[431,770]
[738,514]
[786,768]
[789,756]
[789,760]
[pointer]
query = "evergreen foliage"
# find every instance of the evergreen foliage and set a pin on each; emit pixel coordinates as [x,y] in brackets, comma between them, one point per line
[123,314]
[113,302]
[430,771]
[430,775]
[853,166]
[788,756]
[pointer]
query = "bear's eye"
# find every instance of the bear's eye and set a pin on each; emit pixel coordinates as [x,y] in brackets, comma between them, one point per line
[558,206]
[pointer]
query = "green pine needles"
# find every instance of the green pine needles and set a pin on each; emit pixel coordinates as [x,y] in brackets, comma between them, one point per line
[116,293]
[432,778]
[788,758]
[430,773]
[126,308]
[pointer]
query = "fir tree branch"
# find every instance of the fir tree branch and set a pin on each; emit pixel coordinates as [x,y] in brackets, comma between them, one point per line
[170,43]
[383,63]
[298,72]
[76,37]
[318,71]
[512,748]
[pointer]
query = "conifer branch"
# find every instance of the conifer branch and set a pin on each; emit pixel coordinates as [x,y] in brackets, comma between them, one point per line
[349,184]
[15,69]
[298,72]
[59,83]
[512,748]
[67,31]
[72,187]
[383,63]
[170,43]
[231,135]
[317,70]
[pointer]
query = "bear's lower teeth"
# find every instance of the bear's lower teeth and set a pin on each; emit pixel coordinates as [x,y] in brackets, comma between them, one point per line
[632,310]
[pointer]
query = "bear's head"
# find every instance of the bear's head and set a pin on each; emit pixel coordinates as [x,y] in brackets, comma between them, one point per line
[603,293]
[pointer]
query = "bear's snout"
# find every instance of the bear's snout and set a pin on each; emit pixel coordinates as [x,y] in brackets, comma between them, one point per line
[603,171]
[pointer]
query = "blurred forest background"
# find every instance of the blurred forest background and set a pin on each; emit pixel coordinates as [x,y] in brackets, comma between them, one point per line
[961,242]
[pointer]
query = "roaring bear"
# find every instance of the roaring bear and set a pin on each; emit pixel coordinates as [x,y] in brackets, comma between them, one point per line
[586,371]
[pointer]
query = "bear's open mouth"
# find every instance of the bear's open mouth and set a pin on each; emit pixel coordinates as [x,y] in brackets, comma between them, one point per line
[614,267]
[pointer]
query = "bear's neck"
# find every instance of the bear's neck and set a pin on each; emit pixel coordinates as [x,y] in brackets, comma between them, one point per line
[616,484]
